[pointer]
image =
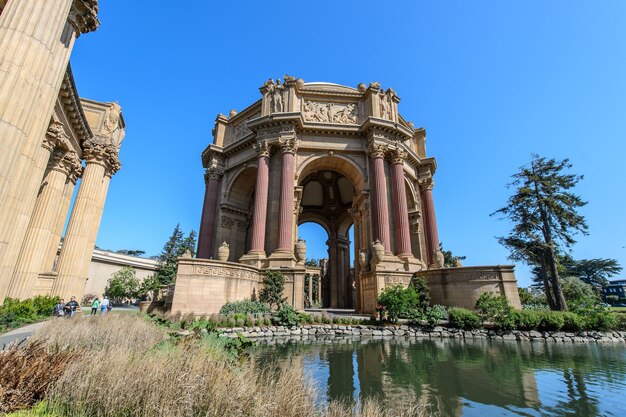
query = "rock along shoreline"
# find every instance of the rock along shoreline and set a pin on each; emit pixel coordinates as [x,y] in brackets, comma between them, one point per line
[438,332]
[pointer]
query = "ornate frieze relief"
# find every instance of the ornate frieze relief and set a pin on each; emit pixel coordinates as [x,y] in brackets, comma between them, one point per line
[274,130]
[228,222]
[240,130]
[325,112]
[221,272]
[472,276]
[396,279]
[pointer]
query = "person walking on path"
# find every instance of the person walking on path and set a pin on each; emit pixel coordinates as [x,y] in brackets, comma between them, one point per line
[95,306]
[71,307]
[59,309]
[104,305]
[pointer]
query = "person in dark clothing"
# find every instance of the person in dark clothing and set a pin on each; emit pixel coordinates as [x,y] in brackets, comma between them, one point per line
[71,307]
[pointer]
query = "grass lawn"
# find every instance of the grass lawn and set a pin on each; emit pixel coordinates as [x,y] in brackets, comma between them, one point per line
[618,309]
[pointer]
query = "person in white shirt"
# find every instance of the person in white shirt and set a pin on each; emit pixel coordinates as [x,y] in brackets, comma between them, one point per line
[104,305]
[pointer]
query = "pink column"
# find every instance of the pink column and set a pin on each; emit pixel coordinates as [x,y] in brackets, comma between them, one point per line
[285,229]
[260,199]
[377,152]
[206,238]
[401,212]
[428,206]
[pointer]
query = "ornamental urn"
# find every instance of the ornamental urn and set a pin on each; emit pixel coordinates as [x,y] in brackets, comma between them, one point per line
[300,250]
[379,250]
[222,252]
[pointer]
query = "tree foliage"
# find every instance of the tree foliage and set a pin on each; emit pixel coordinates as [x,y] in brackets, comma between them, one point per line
[449,260]
[273,287]
[174,248]
[545,220]
[122,284]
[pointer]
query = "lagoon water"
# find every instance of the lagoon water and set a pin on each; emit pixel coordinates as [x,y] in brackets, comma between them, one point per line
[463,378]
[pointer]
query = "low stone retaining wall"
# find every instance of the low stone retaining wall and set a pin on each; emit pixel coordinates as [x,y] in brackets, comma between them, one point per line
[325,330]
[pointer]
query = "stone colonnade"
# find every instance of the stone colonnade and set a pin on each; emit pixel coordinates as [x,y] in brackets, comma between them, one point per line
[44,136]
[36,40]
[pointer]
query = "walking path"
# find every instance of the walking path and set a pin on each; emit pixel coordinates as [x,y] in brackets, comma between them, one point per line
[27,331]
[19,335]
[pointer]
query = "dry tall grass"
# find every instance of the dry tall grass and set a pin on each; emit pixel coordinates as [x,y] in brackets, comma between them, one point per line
[113,331]
[114,369]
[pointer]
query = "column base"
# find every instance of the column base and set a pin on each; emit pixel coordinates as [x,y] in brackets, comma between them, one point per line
[281,258]
[257,259]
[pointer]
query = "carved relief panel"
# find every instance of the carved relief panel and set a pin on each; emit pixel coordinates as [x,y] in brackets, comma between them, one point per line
[326,112]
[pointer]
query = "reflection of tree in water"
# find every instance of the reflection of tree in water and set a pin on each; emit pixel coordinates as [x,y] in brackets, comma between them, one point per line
[447,372]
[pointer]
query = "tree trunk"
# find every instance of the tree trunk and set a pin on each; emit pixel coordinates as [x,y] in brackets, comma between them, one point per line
[560,302]
[546,285]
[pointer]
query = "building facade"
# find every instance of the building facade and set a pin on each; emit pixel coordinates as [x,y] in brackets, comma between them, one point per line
[52,142]
[338,156]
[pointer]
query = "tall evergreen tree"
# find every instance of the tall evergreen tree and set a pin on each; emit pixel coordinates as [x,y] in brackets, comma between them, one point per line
[188,244]
[449,260]
[545,218]
[168,259]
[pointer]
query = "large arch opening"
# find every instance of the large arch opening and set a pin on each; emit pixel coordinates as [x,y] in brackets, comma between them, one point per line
[328,191]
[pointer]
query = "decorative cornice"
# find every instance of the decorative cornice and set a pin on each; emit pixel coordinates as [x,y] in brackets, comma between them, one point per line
[72,106]
[84,16]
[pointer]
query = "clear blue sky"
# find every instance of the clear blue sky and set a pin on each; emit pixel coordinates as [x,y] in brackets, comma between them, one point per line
[491,81]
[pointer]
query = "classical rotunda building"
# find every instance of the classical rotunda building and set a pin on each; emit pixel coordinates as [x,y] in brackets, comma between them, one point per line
[338,156]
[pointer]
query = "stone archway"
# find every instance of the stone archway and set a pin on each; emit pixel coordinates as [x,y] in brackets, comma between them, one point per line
[327,199]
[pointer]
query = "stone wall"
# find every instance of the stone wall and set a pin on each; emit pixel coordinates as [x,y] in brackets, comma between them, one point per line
[462,286]
[203,286]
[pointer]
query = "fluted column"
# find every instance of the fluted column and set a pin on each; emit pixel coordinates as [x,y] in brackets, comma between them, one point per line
[285,225]
[82,229]
[401,210]
[428,206]
[206,238]
[36,38]
[42,224]
[381,208]
[259,217]
[60,220]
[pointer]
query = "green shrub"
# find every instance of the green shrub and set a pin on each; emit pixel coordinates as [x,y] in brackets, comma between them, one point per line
[44,304]
[286,316]
[527,320]
[397,301]
[464,319]
[601,321]
[273,287]
[422,290]
[620,321]
[433,315]
[551,321]
[245,307]
[572,322]
[491,306]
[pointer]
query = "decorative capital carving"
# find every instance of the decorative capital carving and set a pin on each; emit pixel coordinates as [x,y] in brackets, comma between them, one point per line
[376,150]
[84,16]
[263,149]
[99,152]
[54,135]
[397,155]
[213,173]
[289,145]
[426,184]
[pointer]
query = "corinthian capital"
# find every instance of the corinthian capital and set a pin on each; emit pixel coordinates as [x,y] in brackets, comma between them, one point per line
[100,152]
[376,150]
[53,135]
[397,155]
[426,184]
[213,173]
[289,145]
[263,149]
[84,16]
